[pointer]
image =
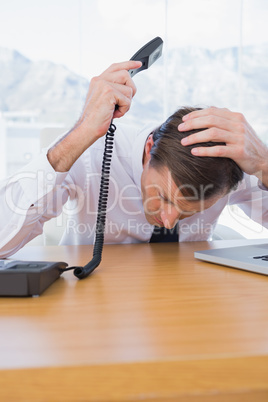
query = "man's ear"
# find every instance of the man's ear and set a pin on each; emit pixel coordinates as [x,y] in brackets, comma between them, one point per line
[148,146]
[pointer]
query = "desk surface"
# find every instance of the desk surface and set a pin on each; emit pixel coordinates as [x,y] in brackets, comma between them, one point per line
[150,323]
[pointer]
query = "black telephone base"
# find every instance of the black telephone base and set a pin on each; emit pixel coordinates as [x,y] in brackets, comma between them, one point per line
[28,278]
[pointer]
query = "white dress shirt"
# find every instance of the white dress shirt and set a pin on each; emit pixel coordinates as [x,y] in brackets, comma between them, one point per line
[37,193]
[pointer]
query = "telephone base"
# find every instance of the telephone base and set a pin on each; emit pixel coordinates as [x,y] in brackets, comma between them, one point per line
[28,278]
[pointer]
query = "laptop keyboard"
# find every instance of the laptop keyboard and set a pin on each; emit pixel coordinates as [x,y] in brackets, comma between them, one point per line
[261,257]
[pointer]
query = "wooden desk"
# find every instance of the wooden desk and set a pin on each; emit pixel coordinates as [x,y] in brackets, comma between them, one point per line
[151,323]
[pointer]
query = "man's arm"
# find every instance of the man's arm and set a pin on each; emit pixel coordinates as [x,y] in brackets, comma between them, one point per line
[28,199]
[242,143]
[113,87]
[38,192]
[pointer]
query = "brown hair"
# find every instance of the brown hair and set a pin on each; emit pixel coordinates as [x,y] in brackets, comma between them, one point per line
[192,174]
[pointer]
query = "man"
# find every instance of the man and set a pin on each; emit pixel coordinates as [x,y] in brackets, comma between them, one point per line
[145,190]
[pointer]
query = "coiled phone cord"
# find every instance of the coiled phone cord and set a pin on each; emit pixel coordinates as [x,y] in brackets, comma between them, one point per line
[148,54]
[83,272]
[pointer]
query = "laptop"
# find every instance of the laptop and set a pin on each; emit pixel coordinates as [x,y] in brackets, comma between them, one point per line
[252,257]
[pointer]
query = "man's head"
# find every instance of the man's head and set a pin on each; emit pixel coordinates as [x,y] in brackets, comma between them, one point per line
[176,184]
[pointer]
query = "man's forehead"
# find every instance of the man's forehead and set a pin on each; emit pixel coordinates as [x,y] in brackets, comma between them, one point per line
[165,182]
[188,192]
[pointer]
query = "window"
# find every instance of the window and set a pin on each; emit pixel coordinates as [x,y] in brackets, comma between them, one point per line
[215,53]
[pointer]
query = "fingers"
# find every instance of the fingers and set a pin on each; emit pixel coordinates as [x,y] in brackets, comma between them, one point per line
[216,112]
[221,121]
[118,73]
[122,98]
[222,126]
[211,134]
[114,87]
[216,151]
[125,65]
[207,121]
[241,143]
[118,79]
[221,151]
[216,125]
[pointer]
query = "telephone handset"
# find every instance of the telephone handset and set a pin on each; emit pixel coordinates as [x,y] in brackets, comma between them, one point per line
[148,54]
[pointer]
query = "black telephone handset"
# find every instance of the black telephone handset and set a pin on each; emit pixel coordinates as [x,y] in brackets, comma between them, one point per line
[148,54]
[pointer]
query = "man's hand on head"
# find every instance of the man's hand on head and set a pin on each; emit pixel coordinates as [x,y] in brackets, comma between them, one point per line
[222,125]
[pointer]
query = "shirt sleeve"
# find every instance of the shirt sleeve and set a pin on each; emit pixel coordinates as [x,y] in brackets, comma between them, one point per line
[262,186]
[252,198]
[28,199]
